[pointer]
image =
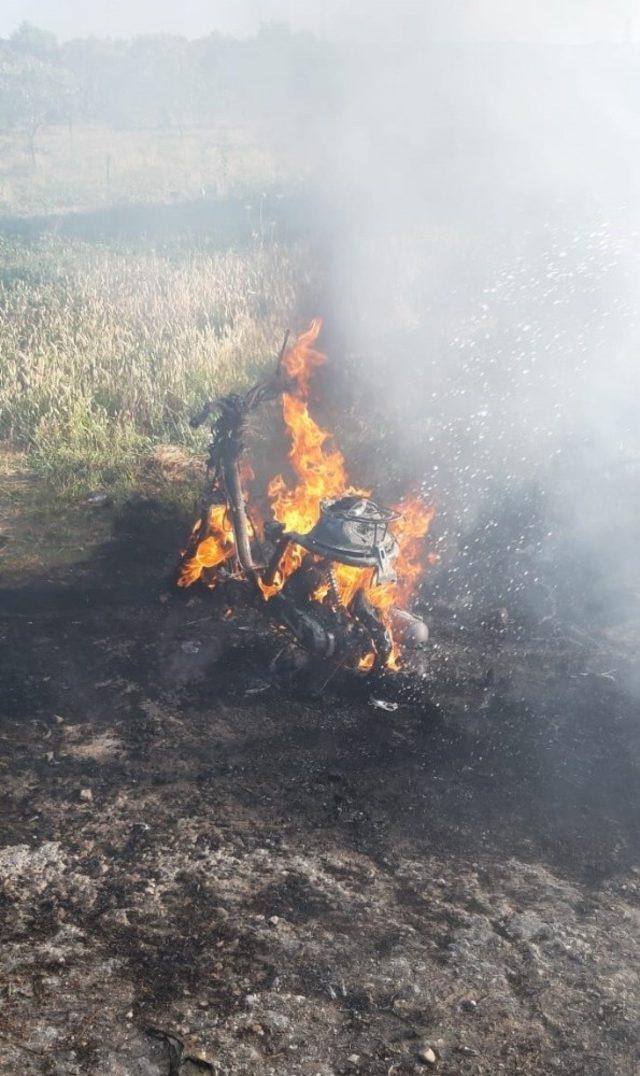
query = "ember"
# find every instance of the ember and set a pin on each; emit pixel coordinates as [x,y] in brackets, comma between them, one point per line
[340,566]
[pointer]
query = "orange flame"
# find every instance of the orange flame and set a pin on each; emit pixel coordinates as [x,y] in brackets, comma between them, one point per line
[318,466]
[410,529]
[212,550]
[320,473]
[300,359]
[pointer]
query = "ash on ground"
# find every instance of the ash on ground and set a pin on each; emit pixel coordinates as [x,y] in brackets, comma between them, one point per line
[203,870]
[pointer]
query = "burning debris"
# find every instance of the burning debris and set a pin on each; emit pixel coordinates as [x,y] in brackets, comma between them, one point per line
[331,567]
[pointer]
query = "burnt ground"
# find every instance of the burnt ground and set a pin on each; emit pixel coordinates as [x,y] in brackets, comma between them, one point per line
[203,870]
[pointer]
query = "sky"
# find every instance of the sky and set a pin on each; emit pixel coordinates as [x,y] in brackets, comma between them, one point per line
[529,20]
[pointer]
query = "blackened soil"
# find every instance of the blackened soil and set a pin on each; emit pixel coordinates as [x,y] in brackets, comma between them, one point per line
[203,869]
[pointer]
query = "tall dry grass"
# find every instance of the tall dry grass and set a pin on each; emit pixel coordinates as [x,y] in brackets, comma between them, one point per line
[105,351]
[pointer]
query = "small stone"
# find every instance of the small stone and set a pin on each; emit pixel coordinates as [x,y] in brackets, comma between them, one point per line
[276,1022]
[527,927]
[86,794]
[96,500]
[427,1056]
[353,1059]
[273,920]
[469,1005]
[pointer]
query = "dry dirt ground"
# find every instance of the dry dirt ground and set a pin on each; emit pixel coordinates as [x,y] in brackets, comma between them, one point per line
[203,871]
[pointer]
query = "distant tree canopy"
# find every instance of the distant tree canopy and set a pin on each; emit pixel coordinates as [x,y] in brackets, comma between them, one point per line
[162,80]
[34,92]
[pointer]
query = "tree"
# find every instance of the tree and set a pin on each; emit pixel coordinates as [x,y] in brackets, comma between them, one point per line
[34,93]
[162,80]
[100,69]
[31,41]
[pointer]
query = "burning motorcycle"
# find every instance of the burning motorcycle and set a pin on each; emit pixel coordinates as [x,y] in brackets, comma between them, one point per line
[331,567]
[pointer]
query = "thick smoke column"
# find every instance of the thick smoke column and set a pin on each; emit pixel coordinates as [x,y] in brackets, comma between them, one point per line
[485,273]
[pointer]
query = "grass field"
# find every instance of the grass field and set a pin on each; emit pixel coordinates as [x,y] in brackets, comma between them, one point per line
[108,342]
[106,351]
[90,167]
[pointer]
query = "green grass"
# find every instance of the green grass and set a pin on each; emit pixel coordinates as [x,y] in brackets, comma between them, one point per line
[106,351]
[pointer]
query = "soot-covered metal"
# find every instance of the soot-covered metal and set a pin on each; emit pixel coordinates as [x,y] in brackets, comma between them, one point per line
[331,585]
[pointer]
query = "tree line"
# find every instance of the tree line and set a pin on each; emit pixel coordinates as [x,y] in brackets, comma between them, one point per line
[162,80]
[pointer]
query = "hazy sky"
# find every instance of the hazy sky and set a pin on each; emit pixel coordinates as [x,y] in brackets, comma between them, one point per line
[556,20]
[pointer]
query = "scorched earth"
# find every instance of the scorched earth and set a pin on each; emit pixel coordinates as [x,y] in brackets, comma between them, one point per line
[204,872]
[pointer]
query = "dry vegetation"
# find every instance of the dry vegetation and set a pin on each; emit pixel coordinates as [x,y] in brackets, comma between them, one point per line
[104,352]
[90,166]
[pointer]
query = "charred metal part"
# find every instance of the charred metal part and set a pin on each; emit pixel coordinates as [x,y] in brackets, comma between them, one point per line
[257,534]
[227,446]
[307,631]
[362,609]
[239,520]
[264,390]
[354,531]
[304,581]
[409,631]
[203,414]
[272,567]
[333,586]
